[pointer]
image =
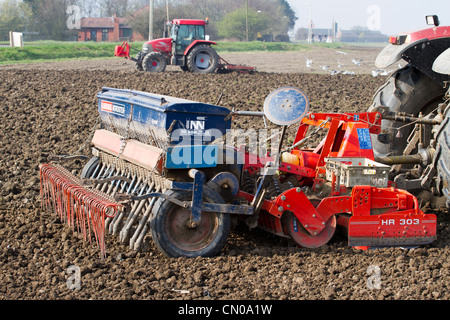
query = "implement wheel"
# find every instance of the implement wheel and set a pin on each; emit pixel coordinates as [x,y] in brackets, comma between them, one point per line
[89,168]
[303,238]
[174,237]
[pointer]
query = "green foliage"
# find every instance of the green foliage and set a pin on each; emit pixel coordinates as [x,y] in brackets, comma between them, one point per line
[48,18]
[59,50]
[234,24]
[53,50]
[14,16]
[253,46]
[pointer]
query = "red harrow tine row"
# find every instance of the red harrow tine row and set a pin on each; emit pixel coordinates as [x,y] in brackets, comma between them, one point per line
[78,206]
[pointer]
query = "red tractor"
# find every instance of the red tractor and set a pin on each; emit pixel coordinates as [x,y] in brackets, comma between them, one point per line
[413,137]
[187,47]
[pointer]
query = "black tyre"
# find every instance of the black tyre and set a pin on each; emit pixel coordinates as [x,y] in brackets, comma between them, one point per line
[174,238]
[442,156]
[410,91]
[138,64]
[89,168]
[154,62]
[138,67]
[202,59]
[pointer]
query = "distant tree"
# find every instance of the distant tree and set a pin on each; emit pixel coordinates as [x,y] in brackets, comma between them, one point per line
[52,19]
[139,20]
[301,34]
[112,7]
[14,16]
[233,24]
[277,15]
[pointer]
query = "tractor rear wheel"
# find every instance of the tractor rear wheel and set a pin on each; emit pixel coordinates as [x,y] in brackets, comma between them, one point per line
[202,59]
[407,90]
[154,62]
[174,237]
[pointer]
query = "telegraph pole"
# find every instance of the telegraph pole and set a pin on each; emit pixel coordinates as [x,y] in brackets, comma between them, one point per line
[150,25]
[246,18]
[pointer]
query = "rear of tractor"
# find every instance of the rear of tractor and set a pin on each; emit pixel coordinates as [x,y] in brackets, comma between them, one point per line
[413,139]
[160,167]
[187,47]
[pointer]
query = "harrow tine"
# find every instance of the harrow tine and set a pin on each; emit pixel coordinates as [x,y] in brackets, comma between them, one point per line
[122,188]
[102,174]
[83,209]
[119,216]
[134,215]
[119,182]
[97,170]
[136,239]
[110,173]
[111,184]
[114,227]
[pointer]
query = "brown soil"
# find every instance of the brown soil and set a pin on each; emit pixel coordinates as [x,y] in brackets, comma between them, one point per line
[51,108]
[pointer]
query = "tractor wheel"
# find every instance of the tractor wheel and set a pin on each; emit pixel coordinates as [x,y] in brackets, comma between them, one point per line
[138,65]
[202,59]
[442,156]
[407,90]
[175,238]
[154,62]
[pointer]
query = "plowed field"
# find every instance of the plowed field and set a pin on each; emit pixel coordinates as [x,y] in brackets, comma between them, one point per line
[51,108]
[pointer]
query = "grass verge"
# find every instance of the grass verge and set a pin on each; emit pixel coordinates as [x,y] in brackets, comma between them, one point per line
[42,51]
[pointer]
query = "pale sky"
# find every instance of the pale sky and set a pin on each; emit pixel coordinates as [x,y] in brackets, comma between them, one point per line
[388,16]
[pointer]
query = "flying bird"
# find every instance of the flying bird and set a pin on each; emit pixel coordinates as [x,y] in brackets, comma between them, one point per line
[380,72]
[340,64]
[342,52]
[334,72]
[308,62]
[384,72]
[357,62]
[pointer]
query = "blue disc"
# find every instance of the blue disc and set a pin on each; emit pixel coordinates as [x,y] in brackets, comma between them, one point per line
[285,106]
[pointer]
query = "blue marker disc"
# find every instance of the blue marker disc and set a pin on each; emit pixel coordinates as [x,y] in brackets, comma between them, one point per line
[286,106]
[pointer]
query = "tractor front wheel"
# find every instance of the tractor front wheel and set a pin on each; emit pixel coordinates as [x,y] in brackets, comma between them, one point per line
[154,62]
[173,235]
[202,59]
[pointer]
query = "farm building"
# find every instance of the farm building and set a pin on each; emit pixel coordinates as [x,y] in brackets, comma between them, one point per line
[113,29]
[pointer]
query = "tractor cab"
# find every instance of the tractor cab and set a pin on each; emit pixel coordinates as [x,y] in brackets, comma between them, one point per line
[184,32]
